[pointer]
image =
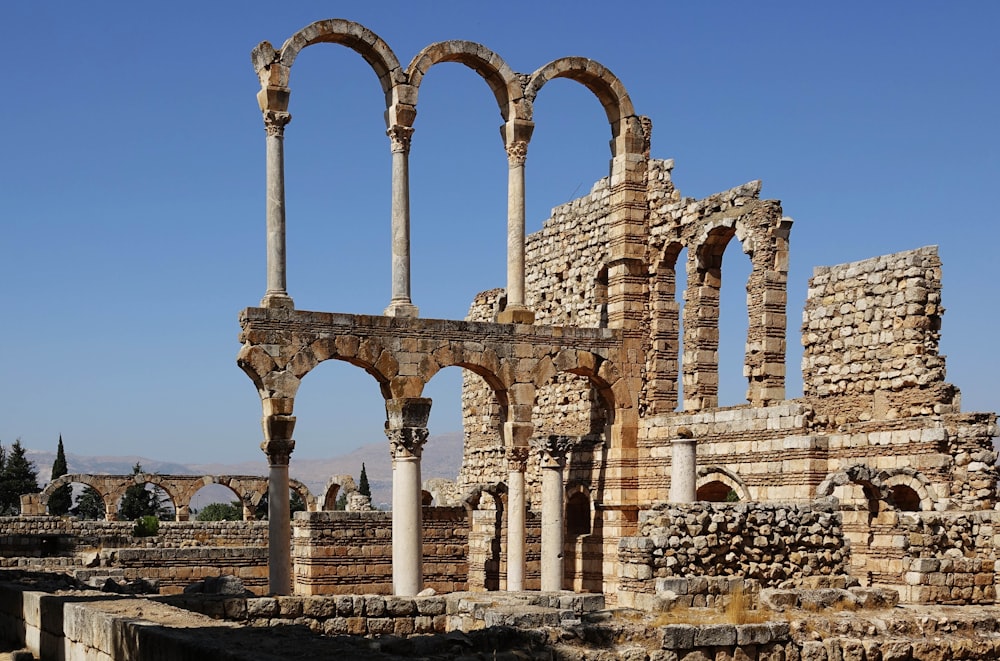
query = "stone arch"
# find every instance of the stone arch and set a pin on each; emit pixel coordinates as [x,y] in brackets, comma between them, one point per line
[901,480]
[502,80]
[710,474]
[485,506]
[95,482]
[868,478]
[355,36]
[593,75]
[664,354]
[312,505]
[117,492]
[331,492]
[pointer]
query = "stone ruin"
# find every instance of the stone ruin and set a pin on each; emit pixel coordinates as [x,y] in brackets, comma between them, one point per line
[586,378]
[597,458]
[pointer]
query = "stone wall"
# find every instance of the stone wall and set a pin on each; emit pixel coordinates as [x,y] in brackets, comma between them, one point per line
[348,552]
[761,453]
[40,535]
[951,557]
[770,543]
[870,334]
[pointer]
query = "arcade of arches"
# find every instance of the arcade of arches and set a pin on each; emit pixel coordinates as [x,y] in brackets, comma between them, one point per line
[589,363]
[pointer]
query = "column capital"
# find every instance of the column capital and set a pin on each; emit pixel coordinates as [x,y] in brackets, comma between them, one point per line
[517,458]
[406,442]
[275,121]
[517,153]
[552,450]
[399,137]
[278,451]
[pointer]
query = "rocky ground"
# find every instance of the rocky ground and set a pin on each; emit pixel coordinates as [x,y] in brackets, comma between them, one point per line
[832,633]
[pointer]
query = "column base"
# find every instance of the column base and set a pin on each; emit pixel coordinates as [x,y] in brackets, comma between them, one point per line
[403,309]
[516,314]
[279,300]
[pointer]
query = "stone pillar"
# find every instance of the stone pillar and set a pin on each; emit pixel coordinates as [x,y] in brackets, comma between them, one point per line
[278,446]
[552,460]
[516,135]
[517,463]
[276,295]
[683,467]
[406,430]
[400,305]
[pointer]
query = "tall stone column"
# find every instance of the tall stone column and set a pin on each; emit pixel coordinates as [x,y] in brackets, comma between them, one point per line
[407,433]
[278,447]
[517,463]
[276,295]
[552,460]
[400,305]
[683,467]
[516,135]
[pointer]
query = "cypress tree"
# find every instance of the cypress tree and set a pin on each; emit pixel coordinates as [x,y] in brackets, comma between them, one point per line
[363,488]
[17,478]
[61,499]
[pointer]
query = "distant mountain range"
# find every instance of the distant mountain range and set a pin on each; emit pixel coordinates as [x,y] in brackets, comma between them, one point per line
[442,457]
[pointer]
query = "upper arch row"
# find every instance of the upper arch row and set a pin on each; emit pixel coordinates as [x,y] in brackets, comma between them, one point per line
[514,93]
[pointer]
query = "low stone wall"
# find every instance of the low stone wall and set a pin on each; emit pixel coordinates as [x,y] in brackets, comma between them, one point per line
[41,535]
[176,568]
[950,558]
[768,542]
[350,552]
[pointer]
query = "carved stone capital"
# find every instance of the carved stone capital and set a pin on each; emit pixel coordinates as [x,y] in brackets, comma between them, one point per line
[517,458]
[400,137]
[275,121]
[406,442]
[517,152]
[552,450]
[279,451]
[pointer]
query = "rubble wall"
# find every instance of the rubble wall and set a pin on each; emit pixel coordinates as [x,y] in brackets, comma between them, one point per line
[766,542]
[870,333]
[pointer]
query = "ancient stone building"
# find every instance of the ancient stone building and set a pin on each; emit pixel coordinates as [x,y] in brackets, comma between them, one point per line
[590,369]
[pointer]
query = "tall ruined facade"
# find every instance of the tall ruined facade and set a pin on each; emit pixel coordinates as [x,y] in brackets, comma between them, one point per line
[586,369]
[877,425]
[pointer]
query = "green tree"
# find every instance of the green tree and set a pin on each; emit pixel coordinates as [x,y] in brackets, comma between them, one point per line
[139,501]
[295,504]
[221,512]
[17,477]
[89,505]
[61,499]
[341,503]
[363,487]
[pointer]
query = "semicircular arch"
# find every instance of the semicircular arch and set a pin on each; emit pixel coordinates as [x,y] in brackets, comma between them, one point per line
[375,51]
[708,474]
[502,80]
[593,75]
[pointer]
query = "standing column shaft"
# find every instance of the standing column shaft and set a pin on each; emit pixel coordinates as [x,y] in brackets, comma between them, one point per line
[516,134]
[517,154]
[407,528]
[407,538]
[276,294]
[683,470]
[552,460]
[552,528]
[517,459]
[400,305]
[279,528]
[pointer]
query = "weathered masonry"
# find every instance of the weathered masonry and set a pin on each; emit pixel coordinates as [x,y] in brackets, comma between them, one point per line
[594,368]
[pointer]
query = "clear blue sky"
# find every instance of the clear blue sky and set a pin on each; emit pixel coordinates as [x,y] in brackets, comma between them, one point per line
[132,172]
